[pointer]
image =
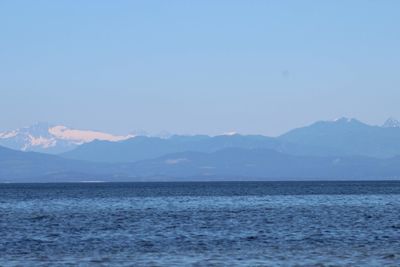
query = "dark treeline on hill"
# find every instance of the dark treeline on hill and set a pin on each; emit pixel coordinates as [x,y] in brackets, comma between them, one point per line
[341,149]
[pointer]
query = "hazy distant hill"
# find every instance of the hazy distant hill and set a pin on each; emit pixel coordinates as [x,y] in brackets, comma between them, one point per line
[236,163]
[17,166]
[346,137]
[225,164]
[142,147]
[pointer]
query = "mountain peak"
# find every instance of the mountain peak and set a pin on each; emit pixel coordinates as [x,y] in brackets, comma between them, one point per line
[391,123]
[345,120]
[46,137]
[36,129]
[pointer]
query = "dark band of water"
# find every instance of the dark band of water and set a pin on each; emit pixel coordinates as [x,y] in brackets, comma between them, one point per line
[165,189]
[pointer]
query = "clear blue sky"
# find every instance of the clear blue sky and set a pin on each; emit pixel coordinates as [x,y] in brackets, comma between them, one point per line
[198,66]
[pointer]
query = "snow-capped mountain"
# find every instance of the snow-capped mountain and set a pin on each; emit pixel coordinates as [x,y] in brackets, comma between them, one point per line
[391,123]
[44,137]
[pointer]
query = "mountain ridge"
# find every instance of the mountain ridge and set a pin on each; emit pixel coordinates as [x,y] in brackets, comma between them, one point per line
[346,137]
[143,147]
[341,137]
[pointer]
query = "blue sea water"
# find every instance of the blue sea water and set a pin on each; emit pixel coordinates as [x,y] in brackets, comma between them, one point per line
[201,224]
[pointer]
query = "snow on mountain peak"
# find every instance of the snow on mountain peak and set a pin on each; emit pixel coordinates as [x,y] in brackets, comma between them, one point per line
[9,134]
[82,136]
[344,119]
[230,133]
[391,123]
[44,137]
[40,142]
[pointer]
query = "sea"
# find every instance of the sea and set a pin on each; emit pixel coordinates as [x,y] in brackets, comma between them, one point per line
[201,224]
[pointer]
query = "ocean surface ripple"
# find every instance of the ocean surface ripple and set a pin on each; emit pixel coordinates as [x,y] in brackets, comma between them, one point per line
[201,224]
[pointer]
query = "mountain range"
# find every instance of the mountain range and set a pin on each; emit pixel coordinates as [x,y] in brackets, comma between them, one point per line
[339,149]
[342,137]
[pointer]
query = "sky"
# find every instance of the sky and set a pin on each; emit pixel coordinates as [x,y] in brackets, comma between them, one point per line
[198,67]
